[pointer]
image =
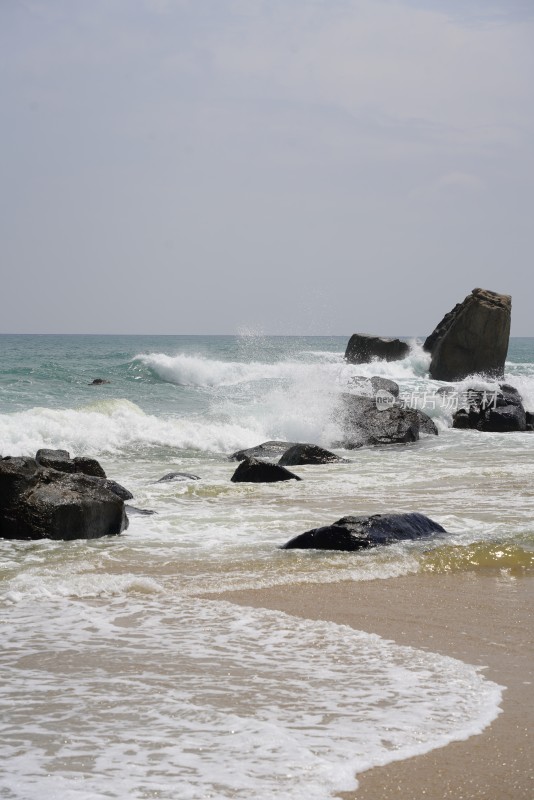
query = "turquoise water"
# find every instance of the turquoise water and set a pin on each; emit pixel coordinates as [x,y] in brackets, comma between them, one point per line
[121,682]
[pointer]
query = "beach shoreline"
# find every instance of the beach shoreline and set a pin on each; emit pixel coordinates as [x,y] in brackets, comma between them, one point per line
[482,618]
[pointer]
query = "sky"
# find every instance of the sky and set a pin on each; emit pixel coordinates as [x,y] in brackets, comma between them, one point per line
[263,166]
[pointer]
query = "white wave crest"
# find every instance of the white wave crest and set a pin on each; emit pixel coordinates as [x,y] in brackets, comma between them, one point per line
[114,426]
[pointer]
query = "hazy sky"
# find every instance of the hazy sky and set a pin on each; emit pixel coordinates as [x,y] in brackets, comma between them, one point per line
[280,166]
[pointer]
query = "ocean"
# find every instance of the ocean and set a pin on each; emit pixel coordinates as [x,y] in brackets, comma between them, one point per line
[124,675]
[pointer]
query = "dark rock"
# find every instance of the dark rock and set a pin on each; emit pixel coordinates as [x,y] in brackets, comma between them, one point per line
[89,466]
[461,419]
[56,459]
[38,502]
[504,419]
[308,454]
[178,476]
[364,424]
[357,533]
[363,348]
[375,384]
[500,411]
[273,449]
[98,382]
[472,338]
[61,460]
[117,489]
[251,470]
[142,512]
[529,420]
[426,423]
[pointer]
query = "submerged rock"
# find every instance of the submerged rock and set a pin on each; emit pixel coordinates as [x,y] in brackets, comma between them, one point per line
[272,449]
[363,348]
[178,476]
[98,382]
[251,470]
[142,512]
[39,502]
[472,338]
[308,454]
[358,533]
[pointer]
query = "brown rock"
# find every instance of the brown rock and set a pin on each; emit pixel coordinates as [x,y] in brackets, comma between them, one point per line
[472,338]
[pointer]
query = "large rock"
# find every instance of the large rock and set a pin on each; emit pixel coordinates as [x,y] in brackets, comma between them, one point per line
[370,386]
[61,460]
[426,423]
[472,338]
[363,423]
[500,411]
[273,449]
[55,459]
[38,502]
[308,454]
[363,348]
[251,470]
[358,533]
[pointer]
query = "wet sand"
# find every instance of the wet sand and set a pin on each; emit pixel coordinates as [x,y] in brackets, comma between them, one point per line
[481,618]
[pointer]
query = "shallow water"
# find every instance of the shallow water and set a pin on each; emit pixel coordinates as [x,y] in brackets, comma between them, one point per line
[122,682]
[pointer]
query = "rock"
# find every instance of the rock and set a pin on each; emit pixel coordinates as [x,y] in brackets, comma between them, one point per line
[273,449]
[500,411]
[178,476]
[98,382]
[375,384]
[364,424]
[117,489]
[38,502]
[472,338]
[426,423]
[251,470]
[61,460]
[56,459]
[363,348]
[529,420]
[88,466]
[308,454]
[142,512]
[357,533]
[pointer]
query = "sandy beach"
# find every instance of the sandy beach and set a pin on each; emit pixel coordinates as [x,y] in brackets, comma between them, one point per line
[483,619]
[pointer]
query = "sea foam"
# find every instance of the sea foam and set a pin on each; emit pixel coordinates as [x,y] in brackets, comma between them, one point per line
[208,699]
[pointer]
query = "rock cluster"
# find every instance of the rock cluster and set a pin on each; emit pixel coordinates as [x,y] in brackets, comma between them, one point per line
[499,411]
[52,497]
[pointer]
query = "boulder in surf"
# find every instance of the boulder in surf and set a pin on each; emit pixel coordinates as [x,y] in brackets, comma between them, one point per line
[363,348]
[273,449]
[497,411]
[252,470]
[39,502]
[472,338]
[308,454]
[362,532]
[363,423]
